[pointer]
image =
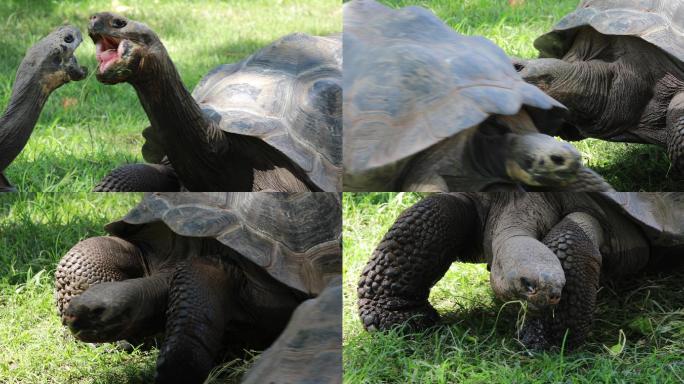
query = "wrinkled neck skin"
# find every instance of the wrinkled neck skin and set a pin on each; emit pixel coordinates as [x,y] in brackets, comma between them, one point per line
[21,115]
[458,164]
[190,141]
[606,82]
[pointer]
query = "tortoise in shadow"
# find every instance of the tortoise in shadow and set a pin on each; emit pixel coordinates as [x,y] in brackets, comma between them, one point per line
[48,64]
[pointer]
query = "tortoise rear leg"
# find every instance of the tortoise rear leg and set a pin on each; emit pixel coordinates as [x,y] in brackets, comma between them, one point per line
[92,261]
[575,241]
[195,321]
[675,134]
[140,178]
[414,254]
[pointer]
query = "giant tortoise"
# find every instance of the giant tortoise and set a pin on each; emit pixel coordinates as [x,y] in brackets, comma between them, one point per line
[271,122]
[48,64]
[218,273]
[428,109]
[547,249]
[618,65]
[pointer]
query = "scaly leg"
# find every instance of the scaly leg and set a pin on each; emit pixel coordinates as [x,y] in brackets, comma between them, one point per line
[415,253]
[92,261]
[140,178]
[575,241]
[675,134]
[195,321]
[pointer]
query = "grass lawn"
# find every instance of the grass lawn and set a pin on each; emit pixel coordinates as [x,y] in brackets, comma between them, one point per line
[87,128]
[628,167]
[638,333]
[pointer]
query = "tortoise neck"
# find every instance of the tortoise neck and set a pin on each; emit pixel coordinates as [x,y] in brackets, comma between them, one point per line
[16,124]
[189,139]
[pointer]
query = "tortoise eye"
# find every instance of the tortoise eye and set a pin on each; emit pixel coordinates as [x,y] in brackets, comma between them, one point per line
[69,39]
[118,23]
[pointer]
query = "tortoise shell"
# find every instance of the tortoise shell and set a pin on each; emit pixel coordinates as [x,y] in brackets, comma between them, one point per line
[289,95]
[410,82]
[659,22]
[658,214]
[318,360]
[294,237]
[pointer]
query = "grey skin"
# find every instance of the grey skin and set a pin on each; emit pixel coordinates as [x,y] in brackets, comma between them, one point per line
[238,133]
[48,64]
[428,109]
[216,274]
[548,249]
[618,65]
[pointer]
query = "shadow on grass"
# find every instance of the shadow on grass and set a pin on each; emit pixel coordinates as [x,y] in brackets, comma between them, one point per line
[29,247]
[63,171]
[639,168]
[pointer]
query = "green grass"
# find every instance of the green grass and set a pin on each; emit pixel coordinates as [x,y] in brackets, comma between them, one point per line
[476,344]
[72,148]
[628,167]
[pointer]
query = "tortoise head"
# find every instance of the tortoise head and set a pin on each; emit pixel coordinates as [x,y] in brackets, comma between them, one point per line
[108,312]
[527,271]
[125,49]
[536,159]
[51,60]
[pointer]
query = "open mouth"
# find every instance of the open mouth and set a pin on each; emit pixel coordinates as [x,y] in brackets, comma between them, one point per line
[108,50]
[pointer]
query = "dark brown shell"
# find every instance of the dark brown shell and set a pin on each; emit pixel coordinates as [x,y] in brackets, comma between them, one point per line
[660,215]
[295,237]
[410,82]
[660,22]
[289,94]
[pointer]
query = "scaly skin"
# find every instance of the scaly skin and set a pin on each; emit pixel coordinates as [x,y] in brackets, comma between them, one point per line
[415,253]
[92,261]
[581,260]
[675,134]
[195,324]
[140,178]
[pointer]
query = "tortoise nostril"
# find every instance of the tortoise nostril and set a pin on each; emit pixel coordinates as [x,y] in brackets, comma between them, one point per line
[529,286]
[558,160]
[97,311]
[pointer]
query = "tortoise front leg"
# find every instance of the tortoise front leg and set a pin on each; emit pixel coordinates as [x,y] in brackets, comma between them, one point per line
[140,178]
[195,321]
[92,261]
[575,241]
[415,253]
[675,134]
